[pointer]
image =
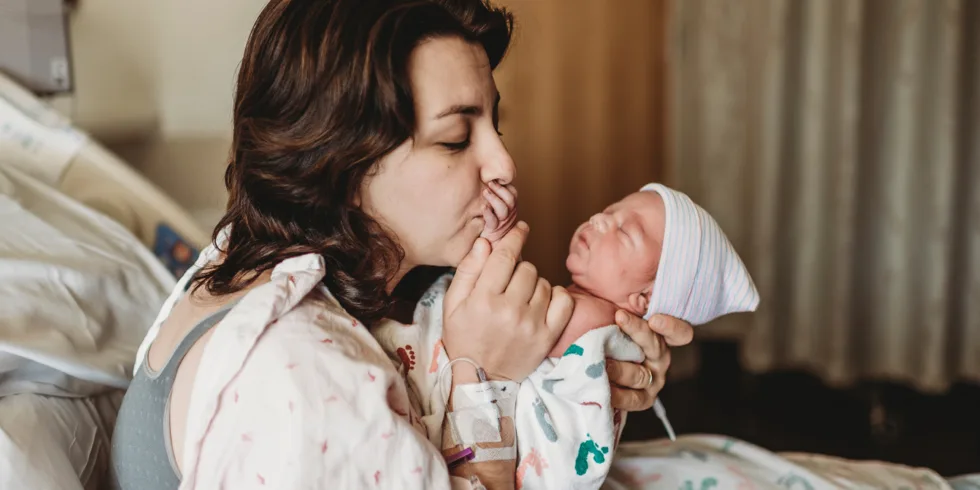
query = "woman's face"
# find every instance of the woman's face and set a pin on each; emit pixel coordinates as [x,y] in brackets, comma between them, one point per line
[428,190]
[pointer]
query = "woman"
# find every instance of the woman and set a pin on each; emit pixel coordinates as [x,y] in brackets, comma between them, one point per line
[365,135]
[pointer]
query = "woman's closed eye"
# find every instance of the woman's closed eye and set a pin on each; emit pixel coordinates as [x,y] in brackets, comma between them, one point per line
[456,145]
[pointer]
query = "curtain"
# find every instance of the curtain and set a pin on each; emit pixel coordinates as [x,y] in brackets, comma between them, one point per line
[837,142]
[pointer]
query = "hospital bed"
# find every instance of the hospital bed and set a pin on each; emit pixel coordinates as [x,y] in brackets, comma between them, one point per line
[88,252]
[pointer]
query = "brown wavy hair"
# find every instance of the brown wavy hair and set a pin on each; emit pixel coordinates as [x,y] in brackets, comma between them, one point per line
[323,93]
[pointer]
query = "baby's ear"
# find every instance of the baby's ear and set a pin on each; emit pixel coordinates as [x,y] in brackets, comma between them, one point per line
[638,302]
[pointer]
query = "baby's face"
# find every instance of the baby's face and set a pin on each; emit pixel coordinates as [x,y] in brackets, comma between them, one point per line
[616,253]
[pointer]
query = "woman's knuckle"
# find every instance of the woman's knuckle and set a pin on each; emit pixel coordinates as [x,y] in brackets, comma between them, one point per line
[641,377]
[529,268]
[507,254]
[613,370]
[637,398]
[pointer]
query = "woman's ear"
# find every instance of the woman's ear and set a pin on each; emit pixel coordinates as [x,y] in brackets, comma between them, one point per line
[638,302]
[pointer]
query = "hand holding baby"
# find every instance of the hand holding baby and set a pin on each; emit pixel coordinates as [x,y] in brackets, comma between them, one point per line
[499,312]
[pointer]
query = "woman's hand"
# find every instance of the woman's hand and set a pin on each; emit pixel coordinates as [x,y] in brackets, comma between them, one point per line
[499,313]
[500,210]
[635,386]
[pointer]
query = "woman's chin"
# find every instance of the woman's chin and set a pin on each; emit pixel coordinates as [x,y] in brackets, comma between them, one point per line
[460,245]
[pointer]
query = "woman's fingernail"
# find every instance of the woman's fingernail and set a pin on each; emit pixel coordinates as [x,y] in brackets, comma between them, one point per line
[522,225]
[620,317]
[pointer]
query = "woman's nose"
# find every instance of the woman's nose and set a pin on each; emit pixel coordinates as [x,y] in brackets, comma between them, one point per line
[498,165]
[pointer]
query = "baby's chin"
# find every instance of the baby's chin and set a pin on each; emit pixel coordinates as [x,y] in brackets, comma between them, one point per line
[572,264]
[578,269]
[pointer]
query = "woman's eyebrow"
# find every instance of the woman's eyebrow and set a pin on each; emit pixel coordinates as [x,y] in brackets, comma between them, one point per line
[466,109]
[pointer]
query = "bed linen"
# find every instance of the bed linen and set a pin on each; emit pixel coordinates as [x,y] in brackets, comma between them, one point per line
[78,290]
[713,462]
[56,443]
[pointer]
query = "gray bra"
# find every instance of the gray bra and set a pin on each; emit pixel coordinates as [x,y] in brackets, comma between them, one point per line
[142,458]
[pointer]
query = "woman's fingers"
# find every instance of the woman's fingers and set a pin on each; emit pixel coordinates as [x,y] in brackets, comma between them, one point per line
[467,274]
[631,400]
[560,308]
[675,332]
[628,374]
[500,265]
[523,282]
[646,376]
[636,328]
[635,386]
[539,301]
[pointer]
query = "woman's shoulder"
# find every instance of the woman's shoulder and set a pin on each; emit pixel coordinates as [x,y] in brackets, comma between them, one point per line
[319,328]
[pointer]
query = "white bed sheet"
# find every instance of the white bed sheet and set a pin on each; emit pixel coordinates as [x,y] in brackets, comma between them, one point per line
[55,443]
[78,293]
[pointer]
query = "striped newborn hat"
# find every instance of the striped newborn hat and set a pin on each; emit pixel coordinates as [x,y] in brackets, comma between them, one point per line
[700,277]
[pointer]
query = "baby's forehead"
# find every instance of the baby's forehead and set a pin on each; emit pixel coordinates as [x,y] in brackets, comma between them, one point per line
[645,201]
[647,207]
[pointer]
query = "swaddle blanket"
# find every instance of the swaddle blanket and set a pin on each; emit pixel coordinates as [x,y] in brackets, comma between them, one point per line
[566,428]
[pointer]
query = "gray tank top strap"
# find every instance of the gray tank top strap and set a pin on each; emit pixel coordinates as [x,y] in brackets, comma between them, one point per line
[169,368]
[142,457]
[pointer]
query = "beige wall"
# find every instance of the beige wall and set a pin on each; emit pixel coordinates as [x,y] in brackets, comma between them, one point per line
[154,82]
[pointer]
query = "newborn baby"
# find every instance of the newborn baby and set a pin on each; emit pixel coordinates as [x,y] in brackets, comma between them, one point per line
[613,259]
[653,252]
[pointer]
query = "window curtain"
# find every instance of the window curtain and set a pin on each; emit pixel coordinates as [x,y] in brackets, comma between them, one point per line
[837,142]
